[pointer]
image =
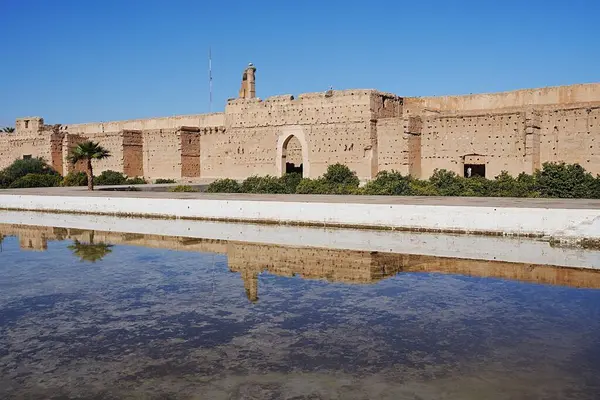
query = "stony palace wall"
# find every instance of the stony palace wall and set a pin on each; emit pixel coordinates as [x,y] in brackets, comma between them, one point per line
[367,130]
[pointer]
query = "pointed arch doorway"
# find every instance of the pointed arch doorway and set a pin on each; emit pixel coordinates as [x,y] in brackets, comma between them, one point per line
[292,152]
[292,155]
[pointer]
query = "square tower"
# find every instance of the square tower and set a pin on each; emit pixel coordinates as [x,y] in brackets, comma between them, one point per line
[248,89]
[29,126]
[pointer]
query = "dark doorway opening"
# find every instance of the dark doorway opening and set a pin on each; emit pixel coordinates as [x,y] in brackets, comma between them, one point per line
[472,170]
[291,168]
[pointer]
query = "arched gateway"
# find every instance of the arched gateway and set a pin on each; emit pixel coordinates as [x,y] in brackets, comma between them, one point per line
[292,152]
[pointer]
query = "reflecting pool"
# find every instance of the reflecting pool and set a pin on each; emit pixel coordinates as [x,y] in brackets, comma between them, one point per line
[104,315]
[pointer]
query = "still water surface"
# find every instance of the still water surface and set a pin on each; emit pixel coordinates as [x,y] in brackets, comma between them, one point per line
[149,317]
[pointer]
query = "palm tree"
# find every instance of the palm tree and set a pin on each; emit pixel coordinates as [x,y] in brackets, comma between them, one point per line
[8,129]
[90,252]
[88,151]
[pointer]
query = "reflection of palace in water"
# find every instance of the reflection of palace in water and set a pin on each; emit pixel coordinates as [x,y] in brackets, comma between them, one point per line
[346,266]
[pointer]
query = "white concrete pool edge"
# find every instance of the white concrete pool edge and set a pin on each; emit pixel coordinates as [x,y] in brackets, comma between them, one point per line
[490,248]
[560,223]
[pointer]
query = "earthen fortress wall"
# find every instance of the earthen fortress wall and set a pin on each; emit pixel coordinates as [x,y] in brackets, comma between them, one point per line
[511,131]
[367,130]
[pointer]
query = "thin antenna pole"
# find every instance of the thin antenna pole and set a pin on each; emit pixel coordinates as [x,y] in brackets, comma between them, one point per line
[210,99]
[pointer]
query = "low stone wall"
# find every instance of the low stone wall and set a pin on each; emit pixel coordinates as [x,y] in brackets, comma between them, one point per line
[490,248]
[570,225]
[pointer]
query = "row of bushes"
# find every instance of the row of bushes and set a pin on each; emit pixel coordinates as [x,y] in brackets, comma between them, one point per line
[35,172]
[553,180]
[106,178]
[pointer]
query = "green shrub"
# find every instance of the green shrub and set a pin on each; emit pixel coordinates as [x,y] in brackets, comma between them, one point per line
[37,180]
[528,181]
[526,186]
[109,177]
[262,184]
[420,187]
[136,181]
[447,183]
[290,181]
[182,188]
[388,183]
[21,167]
[476,186]
[504,185]
[312,186]
[339,174]
[75,179]
[595,190]
[343,189]
[320,186]
[565,181]
[224,186]
[4,181]
[160,180]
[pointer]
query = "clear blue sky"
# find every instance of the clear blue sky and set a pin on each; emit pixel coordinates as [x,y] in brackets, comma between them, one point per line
[98,60]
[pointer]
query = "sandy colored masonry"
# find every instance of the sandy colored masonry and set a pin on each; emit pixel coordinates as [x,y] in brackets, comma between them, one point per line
[368,130]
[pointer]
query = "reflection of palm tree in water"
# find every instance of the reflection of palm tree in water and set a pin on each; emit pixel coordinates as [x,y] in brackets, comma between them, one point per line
[1,240]
[91,251]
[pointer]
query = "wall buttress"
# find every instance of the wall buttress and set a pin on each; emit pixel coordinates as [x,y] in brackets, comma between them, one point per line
[412,133]
[532,141]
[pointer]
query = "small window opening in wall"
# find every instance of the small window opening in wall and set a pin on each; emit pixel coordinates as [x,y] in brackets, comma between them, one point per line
[26,123]
[27,157]
[472,170]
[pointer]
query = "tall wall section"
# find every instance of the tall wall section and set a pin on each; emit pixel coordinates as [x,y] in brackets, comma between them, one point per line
[189,139]
[571,134]
[68,143]
[154,148]
[335,126]
[174,153]
[162,154]
[511,131]
[399,145]
[366,130]
[494,140]
[113,142]
[133,152]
